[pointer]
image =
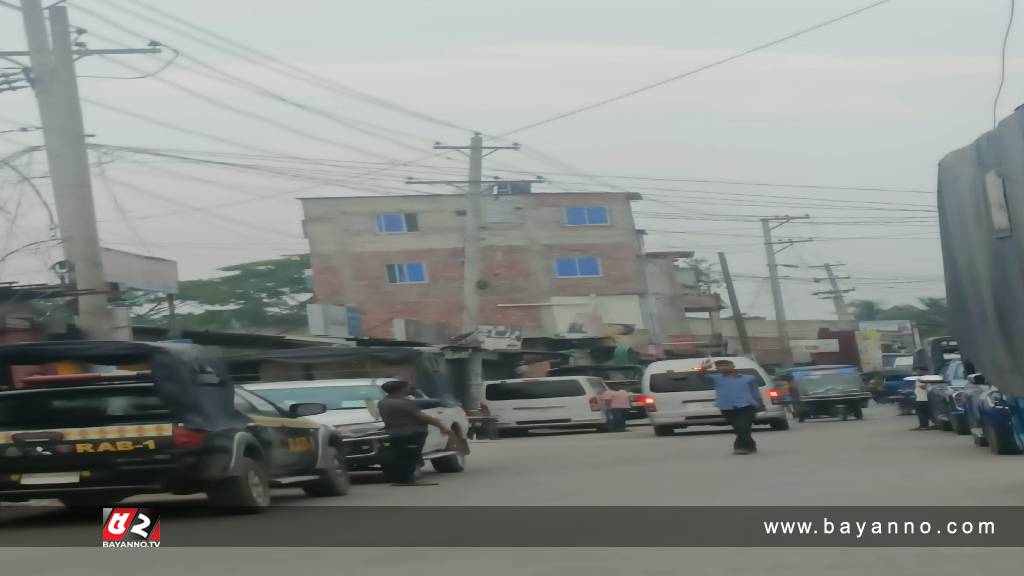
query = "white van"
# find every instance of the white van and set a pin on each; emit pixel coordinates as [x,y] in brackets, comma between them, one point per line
[559,402]
[676,395]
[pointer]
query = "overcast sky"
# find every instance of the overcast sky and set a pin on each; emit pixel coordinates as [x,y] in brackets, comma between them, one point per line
[874,101]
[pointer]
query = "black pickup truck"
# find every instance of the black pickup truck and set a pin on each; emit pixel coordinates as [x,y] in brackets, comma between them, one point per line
[141,418]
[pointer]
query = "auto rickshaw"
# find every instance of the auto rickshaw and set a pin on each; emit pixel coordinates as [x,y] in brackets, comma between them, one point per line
[826,392]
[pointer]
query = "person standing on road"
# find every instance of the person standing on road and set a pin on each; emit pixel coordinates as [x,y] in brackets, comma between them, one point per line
[739,399]
[406,424]
[616,400]
[922,407]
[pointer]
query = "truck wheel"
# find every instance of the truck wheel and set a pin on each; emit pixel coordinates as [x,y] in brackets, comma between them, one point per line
[248,492]
[664,431]
[334,481]
[780,424]
[999,443]
[453,463]
[960,425]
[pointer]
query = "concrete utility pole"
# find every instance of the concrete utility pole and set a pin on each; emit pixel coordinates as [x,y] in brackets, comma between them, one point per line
[472,284]
[773,273]
[52,75]
[842,310]
[734,304]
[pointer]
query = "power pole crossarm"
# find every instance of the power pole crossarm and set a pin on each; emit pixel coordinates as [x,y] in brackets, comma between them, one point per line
[838,302]
[471,284]
[767,226]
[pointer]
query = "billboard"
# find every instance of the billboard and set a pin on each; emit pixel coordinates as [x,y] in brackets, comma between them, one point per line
[334,321]
[131,270]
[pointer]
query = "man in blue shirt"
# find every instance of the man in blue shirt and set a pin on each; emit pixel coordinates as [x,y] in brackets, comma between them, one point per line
[739,399]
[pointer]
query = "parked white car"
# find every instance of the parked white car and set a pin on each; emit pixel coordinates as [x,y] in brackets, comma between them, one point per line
[352,410]
[676,395]
[559,402]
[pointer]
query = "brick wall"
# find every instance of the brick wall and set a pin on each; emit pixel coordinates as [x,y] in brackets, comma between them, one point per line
[517,261]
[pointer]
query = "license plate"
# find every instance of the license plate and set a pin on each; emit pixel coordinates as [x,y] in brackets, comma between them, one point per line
[51,478]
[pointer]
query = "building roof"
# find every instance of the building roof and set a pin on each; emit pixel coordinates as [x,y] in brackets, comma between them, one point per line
[670,254]
[628,195]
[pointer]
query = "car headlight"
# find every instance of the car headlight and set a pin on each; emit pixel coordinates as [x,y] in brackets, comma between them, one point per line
[359,429]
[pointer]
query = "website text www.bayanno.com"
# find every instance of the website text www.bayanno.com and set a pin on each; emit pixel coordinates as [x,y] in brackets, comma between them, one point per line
[861,528]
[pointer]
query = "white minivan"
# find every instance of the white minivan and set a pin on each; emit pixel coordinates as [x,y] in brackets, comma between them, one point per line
[676,394]
[557,402]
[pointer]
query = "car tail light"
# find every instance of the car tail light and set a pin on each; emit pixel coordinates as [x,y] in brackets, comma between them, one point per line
[774,395]
[647,402]
[484,409]
[186,437]
[595,405]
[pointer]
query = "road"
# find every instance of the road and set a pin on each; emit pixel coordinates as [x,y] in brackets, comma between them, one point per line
[877,461]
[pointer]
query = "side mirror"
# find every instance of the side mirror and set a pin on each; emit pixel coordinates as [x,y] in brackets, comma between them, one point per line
[428,403]
[302,409]
[978,379]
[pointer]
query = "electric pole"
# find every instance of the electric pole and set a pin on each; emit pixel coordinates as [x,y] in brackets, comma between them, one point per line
[472,284]
[734,304]
[767,226]
[52,75]
[835,294]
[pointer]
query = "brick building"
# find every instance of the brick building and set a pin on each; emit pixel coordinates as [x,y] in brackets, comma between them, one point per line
[544,258]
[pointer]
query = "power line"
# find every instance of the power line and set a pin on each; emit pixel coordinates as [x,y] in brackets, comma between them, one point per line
[699,69]
[750,183]
[270,62]
[1002,65]
[210,71]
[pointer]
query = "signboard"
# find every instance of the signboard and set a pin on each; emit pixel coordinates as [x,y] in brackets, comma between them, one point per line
[903,326]
[500,337]
[814,346]
[869,347]
[334,321]
[140,272]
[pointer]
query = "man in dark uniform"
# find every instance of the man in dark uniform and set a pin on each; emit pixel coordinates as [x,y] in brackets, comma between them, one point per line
[406,424]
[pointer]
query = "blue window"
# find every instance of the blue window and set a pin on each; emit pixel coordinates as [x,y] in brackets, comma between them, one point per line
[586,266]
[586,216]
[412,273]
[397,223]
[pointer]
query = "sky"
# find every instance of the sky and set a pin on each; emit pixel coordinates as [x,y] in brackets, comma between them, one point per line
[202,160]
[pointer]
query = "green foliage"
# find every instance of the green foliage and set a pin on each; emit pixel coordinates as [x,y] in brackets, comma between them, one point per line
[268,294]
[931,316]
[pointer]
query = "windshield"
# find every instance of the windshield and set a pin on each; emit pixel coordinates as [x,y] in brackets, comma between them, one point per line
[81,407]
[334,397]
[828,382]
[695,381]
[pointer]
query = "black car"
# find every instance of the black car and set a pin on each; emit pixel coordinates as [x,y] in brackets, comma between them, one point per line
[169,420]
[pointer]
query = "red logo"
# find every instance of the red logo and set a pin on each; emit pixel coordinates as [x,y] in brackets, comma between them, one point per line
[131,528]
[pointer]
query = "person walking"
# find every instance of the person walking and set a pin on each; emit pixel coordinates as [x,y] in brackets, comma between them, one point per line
[406,425]
[739,399]
[922,406]
[616,401]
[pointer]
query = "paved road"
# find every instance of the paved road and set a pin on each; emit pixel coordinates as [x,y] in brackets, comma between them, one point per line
[873,462]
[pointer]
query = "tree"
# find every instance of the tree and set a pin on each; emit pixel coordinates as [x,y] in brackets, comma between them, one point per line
[931,315]
[268,294]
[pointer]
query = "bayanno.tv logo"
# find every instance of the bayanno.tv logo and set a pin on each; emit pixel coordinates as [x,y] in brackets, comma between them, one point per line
[131,528]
